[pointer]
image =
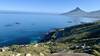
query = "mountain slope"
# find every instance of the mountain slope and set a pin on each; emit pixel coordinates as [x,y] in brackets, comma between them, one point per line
[95,14]
[76,12]
[83,38]
[81,13]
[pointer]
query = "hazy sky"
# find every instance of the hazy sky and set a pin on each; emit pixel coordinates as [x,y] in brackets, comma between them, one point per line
[49,6]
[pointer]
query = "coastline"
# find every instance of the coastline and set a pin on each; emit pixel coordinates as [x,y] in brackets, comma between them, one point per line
[63,40]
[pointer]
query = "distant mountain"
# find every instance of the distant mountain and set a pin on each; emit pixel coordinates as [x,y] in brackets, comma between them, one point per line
[95,14]
[76,12]
[81,13]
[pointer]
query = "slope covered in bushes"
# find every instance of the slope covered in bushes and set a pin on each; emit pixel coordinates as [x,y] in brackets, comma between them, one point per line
[81,38]
[84,38]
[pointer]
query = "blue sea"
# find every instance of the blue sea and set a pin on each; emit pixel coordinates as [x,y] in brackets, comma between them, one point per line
[28,28]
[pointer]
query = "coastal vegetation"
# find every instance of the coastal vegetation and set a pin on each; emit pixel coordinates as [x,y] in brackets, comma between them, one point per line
[84,38]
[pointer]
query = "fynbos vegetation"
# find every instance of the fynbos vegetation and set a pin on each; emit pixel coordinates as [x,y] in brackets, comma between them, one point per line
[83,38]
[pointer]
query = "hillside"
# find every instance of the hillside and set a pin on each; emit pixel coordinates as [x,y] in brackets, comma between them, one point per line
[79,40]
[95,14]
[83,38]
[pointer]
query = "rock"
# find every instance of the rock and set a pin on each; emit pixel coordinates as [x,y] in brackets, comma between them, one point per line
[13,55]
[28,54]
[41,54]
[36,45]
[4,49]
[18,54]
[17,23]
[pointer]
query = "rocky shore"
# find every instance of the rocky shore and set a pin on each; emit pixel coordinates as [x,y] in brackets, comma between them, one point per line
[79,40]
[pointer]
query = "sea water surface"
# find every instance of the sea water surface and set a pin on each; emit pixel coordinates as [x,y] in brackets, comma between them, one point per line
[27,28]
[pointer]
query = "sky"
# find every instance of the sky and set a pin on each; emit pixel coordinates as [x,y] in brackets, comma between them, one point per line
[49,6]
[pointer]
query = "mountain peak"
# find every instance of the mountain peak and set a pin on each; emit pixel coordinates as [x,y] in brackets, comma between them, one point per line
[76,12]
[77,8]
